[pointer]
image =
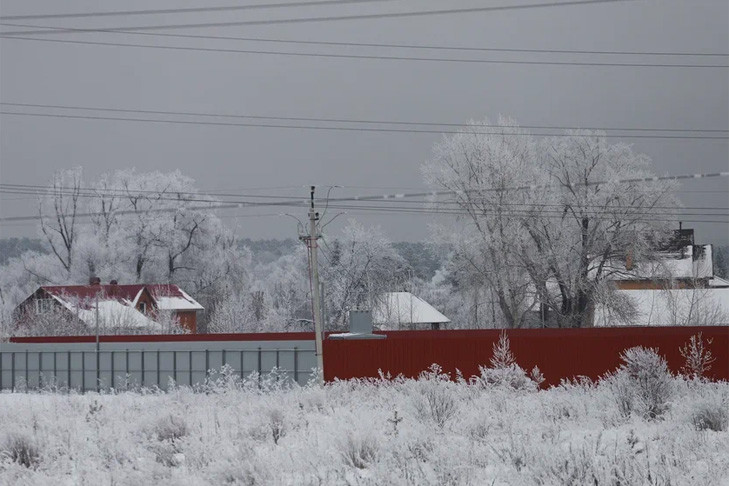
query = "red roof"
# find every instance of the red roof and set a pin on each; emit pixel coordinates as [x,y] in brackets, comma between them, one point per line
[114,292]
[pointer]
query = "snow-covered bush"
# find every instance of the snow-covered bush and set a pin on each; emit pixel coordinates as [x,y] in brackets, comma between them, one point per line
[436,401]
[21,449]
[711,412]
[170,428]
[342,433]
[277,423]
[359,449]
[697,357]
[642,383]
[505,372]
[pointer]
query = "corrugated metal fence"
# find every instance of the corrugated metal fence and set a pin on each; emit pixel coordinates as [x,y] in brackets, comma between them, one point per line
[559,353]
[130,361]
[122,362]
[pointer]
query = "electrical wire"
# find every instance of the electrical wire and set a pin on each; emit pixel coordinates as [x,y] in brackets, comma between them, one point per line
[531,187]
[299,203]
[639,215]
[119,192]
[401,46]
[382,15]
[289,200]
[382,57]
[345,129]
[166,11]
[354,121]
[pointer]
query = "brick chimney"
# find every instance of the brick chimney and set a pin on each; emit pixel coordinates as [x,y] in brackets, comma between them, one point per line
[629,260]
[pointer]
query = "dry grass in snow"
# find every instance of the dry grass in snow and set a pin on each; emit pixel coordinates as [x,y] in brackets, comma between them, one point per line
[623,430]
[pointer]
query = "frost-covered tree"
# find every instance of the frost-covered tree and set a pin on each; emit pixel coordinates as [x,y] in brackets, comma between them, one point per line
[141,227]
[490,237]
[58,211]
[547,221]
[357,269]
[584,224]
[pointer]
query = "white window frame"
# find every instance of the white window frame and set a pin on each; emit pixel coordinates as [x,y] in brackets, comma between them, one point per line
[43,305]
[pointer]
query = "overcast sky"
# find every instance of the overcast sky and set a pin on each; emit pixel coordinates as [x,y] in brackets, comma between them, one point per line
[244,159]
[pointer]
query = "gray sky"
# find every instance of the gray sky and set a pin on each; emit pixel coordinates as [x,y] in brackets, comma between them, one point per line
[239,158]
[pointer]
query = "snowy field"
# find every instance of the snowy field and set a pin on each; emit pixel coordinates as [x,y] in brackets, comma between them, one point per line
[446,432]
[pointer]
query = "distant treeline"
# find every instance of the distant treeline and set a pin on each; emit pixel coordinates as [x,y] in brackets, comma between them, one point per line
[14,247]
[422,258]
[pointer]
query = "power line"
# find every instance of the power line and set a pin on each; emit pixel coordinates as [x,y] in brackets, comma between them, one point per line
[636,217]
[417,13]
[333,201]
[231,8]
[177,196]
[532,187]
[355,121]
[654,210]
[377,57]
[125,193]
[398,46]
[377,197]
[340,128]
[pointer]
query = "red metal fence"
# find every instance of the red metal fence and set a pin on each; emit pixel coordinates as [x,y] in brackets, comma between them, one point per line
[559,353]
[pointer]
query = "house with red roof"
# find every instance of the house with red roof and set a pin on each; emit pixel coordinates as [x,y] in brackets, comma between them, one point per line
[137,307]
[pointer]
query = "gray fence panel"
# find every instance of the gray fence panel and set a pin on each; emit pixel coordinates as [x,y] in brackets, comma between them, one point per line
[83,367]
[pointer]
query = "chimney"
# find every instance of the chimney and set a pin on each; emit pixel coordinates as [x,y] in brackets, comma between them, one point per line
[629,260]
[360,322]
[360,327]
[94,281]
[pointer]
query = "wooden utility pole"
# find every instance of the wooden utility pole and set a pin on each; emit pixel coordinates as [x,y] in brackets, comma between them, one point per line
[312,241]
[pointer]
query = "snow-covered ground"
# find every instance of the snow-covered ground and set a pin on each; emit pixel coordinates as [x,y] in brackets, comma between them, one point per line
[347,433]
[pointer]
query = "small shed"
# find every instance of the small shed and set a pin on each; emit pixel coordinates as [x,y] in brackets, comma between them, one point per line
[405,311]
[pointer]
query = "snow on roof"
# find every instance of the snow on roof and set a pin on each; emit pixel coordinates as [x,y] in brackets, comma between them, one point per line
[355,335]
[166,296]
[114,314]
[172,297]
[405,308]
[672,307]
[718,282]
[675,264]
[89,292]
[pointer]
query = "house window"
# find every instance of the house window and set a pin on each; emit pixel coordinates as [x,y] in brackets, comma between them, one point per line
[143,308]
[43,306]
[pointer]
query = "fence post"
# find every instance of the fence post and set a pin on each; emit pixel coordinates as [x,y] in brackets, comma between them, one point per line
[1,370]
[83,371]
[189,366]
[126,368]
[207,363]
[142,353]
[174,366]
[111,367]
[296,365]
[55,370]
[241,364]
[26,369]
[277,366]
[12,371]
[68,370]
[259,367]
[40,370]
[159,385]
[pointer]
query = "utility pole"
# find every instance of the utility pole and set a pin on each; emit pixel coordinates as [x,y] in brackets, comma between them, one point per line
[98,360]
[312,241]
